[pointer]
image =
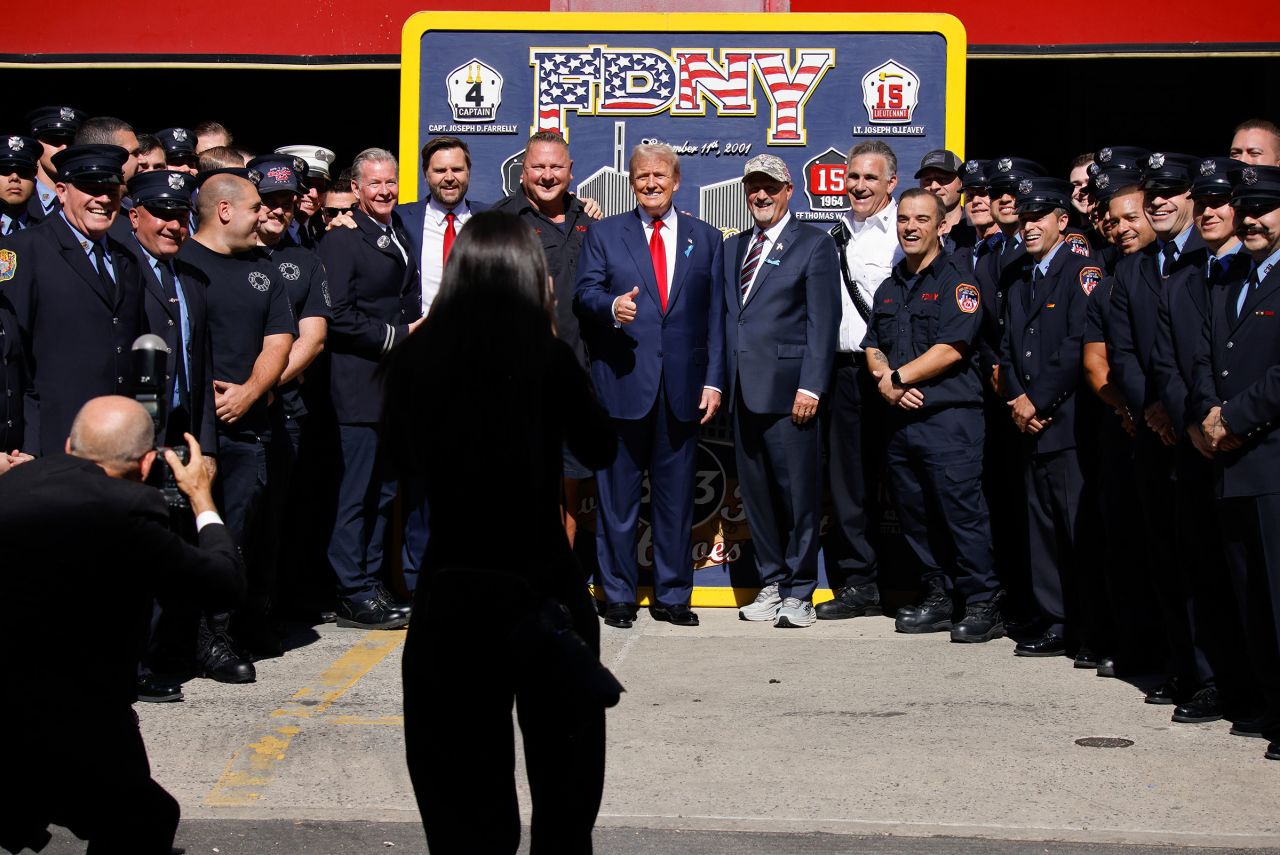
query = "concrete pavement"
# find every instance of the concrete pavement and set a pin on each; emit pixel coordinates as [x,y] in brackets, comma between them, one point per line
[844,735]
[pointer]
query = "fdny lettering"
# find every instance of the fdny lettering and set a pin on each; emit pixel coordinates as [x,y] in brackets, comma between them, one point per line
[596,80]
[928,297]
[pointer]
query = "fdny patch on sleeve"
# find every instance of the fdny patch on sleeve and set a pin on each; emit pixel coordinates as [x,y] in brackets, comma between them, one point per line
[968,298]
[1089,279]
[8,264]
[1077,244]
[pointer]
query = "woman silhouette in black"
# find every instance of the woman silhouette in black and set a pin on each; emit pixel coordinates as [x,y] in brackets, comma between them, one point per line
[479,401]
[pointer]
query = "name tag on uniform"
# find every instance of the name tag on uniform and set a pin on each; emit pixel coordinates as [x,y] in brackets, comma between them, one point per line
[1050,305]
[1264,314]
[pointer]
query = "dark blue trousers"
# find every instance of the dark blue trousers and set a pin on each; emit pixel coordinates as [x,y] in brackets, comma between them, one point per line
[935,475]
[365,497]
[666,447]
[779,476]
[417,529]
[243,476]
[853,423]
[1055,485]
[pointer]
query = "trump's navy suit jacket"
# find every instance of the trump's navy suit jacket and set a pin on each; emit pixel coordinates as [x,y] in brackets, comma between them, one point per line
[682,349]
[783,337]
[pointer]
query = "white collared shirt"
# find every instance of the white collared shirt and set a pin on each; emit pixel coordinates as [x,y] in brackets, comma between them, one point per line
[770,239]
[431,264]
[869,258]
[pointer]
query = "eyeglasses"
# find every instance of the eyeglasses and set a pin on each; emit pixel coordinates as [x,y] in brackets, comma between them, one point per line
[333,212]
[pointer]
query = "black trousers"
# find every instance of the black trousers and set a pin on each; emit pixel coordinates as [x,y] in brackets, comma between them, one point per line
[459,686]
[1055,487]
[87,771]
[1251,541]
[853,438]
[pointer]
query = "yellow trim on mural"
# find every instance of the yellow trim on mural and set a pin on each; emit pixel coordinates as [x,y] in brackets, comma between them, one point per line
[765,23]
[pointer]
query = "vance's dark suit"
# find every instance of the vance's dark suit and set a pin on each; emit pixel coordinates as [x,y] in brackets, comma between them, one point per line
[781,339]
[649,375]
[76,335]
[196,413]
[86,763]
[375,296]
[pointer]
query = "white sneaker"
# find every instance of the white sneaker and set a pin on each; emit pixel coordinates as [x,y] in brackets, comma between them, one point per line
[795,612]
[765,607]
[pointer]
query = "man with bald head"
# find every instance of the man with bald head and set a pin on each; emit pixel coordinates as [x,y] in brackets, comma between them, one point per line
[84,765]
[251,330]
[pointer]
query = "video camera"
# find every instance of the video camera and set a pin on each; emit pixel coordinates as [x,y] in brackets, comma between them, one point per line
[150,357]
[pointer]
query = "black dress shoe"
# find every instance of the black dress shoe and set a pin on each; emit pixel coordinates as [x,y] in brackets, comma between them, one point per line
[1048,644]
[933,614]
[1249,728]
[678,614]
[1204,705]
[1106,666]
[370,613]
[1273,751]
[257,636]
[153,691]
[621,615]
[1085,658]
[220,661]
[1168,692]
[405,607]
[850,602]
[981,622]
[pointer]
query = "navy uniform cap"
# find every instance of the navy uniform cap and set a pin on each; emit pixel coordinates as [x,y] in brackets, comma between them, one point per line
[1004,173]
[55,120]
[17,152]
[1120,157]
[177,142]
[279,172]
[975,173]
[1212,177]
[1106,183]
[1043,193]
[1255,184]
[162,188]
[96,162]
[1166,171]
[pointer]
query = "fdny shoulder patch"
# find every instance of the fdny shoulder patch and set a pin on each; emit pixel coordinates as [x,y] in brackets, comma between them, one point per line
[1077,244]
[1089,279]
[8,264]
[967,298]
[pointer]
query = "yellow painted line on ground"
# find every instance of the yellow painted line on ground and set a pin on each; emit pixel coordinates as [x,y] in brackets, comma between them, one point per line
[250,770]
[380,721]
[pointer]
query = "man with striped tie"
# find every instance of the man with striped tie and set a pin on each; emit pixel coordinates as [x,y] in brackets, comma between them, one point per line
[780,289]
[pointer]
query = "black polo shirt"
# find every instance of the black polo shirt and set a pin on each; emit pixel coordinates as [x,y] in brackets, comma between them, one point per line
[308,287]
[910,314]
[562,244]
[248,300]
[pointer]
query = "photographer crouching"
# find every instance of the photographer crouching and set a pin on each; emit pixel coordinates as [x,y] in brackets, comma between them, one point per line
[88,546]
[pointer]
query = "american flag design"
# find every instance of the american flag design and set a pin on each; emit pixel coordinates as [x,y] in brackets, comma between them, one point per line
[788,88]
[565,79]
[728,85]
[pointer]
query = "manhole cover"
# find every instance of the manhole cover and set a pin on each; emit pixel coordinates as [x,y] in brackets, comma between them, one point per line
[1104,742]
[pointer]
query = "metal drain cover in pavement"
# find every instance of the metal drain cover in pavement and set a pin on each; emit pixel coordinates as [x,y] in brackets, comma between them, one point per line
[1103,742]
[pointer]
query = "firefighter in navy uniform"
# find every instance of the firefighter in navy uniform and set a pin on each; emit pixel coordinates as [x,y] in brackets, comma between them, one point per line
[55,128]
[999,261]
[1041,375]
[77,297]
[1140,279]
[1200,568]
[919,349]
[19,159]
[1237,391]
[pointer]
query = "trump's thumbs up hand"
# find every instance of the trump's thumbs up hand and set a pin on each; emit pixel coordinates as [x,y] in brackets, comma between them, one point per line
[624,308]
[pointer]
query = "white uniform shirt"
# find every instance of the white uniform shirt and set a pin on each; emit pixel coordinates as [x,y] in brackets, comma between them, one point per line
[869,258]
[431,265]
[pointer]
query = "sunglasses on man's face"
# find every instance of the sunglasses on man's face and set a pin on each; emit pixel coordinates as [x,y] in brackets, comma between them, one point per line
[333,212]
[27,173]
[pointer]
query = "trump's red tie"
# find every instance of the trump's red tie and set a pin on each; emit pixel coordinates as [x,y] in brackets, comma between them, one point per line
[658,251]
